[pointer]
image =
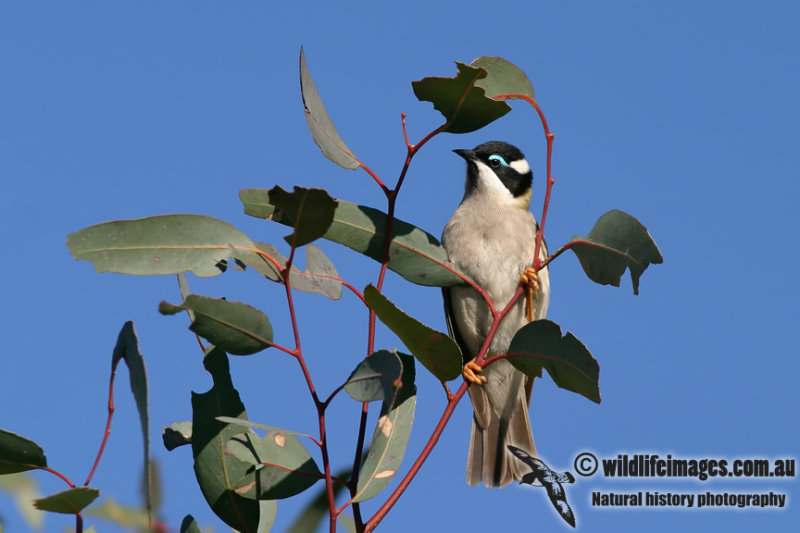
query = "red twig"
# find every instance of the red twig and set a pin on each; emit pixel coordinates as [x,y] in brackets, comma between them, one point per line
[58,474]
[108,421]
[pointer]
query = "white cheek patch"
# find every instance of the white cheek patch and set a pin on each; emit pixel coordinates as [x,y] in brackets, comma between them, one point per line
[489,181]
[521,166]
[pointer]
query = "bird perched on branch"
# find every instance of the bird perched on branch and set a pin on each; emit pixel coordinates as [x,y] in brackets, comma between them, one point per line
[491,237]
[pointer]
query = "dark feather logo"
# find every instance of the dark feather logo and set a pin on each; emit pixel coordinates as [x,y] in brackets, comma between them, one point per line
[542,475]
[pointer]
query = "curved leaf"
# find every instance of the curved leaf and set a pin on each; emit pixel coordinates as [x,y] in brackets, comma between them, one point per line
[283,466]
[617,241]
[232,326]
[502,78]
[539,344]
[216,472]
[460,99]
[435,350]
[70,501]
[189,525]
[164,244]
[390,439]
[319,122]
[414,254]
[127,348]
[378,377]
[308,211]
[18,454]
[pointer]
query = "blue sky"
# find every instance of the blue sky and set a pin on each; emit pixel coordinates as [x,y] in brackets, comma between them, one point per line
[683,114]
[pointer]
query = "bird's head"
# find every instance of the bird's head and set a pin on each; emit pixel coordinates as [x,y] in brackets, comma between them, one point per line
[498,171]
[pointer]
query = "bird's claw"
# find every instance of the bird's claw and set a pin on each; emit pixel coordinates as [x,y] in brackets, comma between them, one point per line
[472,373]
[530,281]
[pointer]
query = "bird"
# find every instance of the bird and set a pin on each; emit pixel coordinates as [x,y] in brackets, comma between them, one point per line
[491,237]
[552,482]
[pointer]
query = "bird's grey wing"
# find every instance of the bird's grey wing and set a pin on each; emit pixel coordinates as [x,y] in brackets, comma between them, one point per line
[452,329]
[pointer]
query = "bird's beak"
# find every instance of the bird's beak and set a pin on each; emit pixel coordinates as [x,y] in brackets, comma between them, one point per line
[469,155]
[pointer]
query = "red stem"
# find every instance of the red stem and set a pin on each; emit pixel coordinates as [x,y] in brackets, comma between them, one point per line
[108,421]
[59,474]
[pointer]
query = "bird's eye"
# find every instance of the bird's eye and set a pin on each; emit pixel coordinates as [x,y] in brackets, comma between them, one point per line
[497,161]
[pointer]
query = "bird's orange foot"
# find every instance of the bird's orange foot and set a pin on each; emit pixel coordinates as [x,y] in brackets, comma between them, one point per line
[529,280]
[472,373]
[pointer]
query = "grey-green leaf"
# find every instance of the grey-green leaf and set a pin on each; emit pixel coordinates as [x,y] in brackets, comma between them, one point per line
[435,350]
[502,78]
[217,473]
[189,525]
[539,345]
[233,326]
[164,244]
[616,242]
[70,501]
[127,349]
[308,211]
[283,466]
[414,254]
[460,99]
[390,439]
[319,122]
[18,454]
[24,489]
[378,377]
[177,434]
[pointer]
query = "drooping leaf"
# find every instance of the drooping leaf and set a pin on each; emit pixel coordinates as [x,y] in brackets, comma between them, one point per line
[539,344]
[378,377]
[70,501]
[463,103]
[616,242]
[18,454]
[502,78]
[308,211]
[127,349]
[283,466]
[435,350]
[390,439]
[164,244]
[414,254]
[310,517]
[177,434]
[217,473]
[320,123]
[24,490]
[261,264]
[233,326]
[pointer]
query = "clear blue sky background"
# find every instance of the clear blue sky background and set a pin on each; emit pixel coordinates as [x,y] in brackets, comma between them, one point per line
[683,114]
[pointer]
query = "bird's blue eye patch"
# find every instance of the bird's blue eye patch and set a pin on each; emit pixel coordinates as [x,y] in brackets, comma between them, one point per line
[495,160]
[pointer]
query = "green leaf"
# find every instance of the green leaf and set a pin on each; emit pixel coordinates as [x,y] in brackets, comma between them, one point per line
[233,326]
[70,501]
[616,241]
[378,377]
[460,99]
[177,434]
[189,525]
[259,263]
[502,78]
[284,467]
[435,350]
[122,515]
[267,510]
[18,454]
[319,122]
[127,348]
[414,254]
[390,439]
[311,516]
[255,425]
[217,473]
[164,244]
[539,344]
[308,211]
[24,489]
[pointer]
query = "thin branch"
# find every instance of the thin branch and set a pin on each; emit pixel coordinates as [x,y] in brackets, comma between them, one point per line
[108,421]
